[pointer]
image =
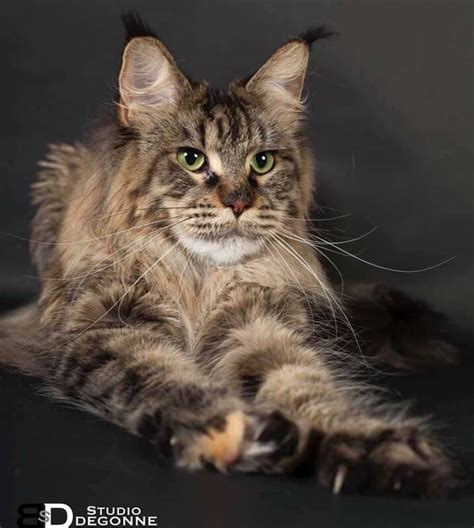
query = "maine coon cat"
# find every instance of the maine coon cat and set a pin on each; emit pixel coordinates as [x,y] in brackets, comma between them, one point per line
[182,298]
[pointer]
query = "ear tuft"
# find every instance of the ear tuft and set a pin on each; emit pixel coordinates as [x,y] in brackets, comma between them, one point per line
[149,80]
[135,27]
[311,35]
[281,79]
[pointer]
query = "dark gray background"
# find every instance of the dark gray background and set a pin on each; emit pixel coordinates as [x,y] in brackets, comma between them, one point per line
[391,120]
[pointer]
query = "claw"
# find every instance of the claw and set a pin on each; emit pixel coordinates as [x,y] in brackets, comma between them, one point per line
[339,479]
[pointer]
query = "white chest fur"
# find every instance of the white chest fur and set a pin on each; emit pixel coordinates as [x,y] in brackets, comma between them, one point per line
[228,251]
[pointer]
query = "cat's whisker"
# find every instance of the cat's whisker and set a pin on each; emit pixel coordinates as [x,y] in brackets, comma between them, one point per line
[74,259]
[321,242]
[95,270]
[385,268]
[148,238]
[310,309]
[289,249]
[173,247]
[122,297]
[350,240]
[325,242]
[126,211]
[329,296]
[333,264]
[76,242]
[134,242]
[328,219]
[119,309]
[318,250]
[191,252]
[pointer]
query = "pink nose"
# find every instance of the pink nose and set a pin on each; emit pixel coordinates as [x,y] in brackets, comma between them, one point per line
[237,199]
[239,206]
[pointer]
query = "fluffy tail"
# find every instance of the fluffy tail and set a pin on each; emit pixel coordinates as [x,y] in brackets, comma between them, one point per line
[18,347]
[398,330]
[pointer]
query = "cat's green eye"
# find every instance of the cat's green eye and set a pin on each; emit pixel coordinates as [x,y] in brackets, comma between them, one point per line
[262,162]
[191,158]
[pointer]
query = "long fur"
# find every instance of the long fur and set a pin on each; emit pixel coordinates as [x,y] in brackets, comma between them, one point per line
[188,305]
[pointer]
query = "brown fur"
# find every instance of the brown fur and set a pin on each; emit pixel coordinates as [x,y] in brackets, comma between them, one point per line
[211,351]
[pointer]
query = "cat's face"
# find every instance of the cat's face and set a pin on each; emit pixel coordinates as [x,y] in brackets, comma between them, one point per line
[229,169]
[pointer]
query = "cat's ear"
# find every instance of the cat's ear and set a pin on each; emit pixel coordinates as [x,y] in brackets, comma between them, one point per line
[281,79]
[149,80]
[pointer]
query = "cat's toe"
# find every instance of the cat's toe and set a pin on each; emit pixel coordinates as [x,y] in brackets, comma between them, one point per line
[395,462]
[217,444]
[404,462]
[271,442]
[342,464]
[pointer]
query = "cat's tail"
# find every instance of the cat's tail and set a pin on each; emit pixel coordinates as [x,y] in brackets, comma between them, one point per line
[19,348]
[397,330]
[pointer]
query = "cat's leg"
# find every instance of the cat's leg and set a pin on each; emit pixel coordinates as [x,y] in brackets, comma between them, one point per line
[325,422]
[397,330]
[148,386]
[356,444]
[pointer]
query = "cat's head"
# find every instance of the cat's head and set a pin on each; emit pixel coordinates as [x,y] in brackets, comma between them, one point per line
[228,169]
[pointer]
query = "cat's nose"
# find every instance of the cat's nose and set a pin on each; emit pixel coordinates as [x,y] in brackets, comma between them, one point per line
[238,201]
[239,206]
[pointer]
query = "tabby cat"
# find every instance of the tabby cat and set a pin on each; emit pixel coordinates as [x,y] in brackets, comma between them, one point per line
[182,298]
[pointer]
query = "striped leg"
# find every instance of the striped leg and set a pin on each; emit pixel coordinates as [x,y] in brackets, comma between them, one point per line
[323,422]
[151,388]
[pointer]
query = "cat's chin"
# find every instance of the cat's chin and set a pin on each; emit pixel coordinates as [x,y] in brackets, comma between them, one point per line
[229,250]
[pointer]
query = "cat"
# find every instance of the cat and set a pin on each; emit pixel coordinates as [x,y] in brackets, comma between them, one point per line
[182,298]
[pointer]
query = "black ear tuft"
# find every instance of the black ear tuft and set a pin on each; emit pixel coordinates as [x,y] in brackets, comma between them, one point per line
[135,27]
[311,35]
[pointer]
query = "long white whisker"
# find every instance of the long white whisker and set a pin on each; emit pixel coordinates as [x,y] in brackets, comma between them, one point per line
[74,259]
[355,239]
[322,242]
[139,243]
[188,259]
[328,219]
[385,268]
[119,309]
[328,295]
[100,237]
[294,276]
[299,239]
[94,270]
[122,297]
[301,260]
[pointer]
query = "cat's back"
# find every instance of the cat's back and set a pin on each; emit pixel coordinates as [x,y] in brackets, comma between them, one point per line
[61,170]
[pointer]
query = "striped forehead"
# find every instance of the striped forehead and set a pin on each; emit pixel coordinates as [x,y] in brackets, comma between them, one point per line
[226,128]
[226,120]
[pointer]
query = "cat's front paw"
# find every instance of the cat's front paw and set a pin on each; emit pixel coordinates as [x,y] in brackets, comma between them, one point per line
[396,461]
[239,442]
